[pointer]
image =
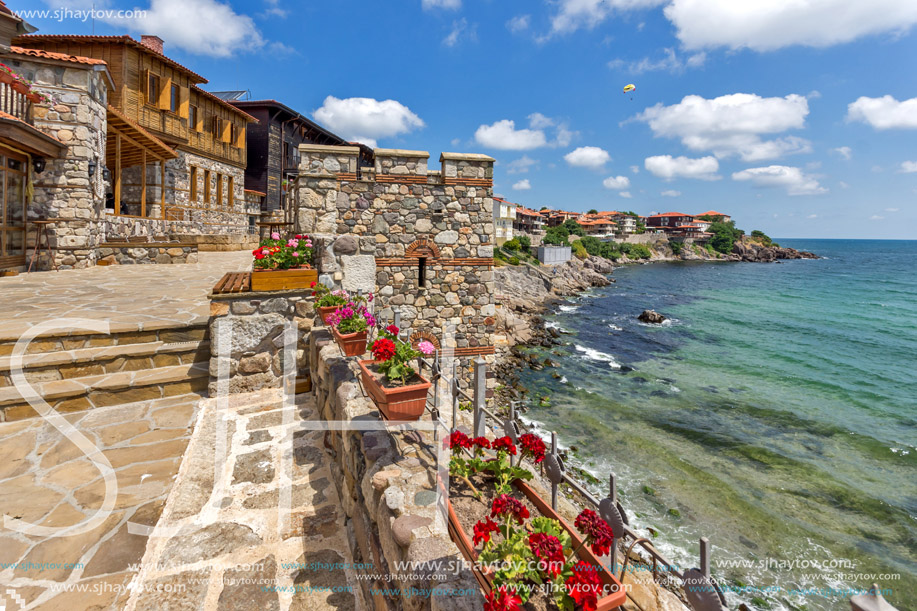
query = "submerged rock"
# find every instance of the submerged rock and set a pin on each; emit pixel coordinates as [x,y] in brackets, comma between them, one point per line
[651,317]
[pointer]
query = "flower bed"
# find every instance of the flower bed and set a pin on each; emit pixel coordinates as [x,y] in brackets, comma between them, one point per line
[351,324]
[528,556]
[283,264]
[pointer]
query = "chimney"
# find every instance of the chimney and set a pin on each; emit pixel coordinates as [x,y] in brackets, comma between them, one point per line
[152,42]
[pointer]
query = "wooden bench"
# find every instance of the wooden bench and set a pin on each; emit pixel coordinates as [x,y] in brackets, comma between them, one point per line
[234,282]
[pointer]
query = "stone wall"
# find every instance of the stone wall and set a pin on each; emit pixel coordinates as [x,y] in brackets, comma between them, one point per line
[386,481]
[77,117]
[398,222]
[257,322]
[145,254]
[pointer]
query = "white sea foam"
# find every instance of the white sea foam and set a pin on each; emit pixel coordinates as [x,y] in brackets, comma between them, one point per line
[594,355]
[563,379]
[553,324]
[614,327]
[568,308]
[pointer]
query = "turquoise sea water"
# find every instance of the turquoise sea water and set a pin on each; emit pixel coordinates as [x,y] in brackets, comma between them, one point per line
[776,414]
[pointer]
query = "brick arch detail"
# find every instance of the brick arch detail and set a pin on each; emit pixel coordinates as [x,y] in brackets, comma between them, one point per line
[422,247]
[419,336]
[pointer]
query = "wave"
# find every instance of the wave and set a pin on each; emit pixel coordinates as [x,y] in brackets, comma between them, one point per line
[568,308]
[614,327]
[591,354]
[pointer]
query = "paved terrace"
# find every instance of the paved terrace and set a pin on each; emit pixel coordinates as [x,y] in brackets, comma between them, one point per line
[129,297]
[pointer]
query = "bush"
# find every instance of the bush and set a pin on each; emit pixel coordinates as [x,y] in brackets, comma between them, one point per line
[524,242]
[763,238]
[636,251]
[579,250]
[573,228]
[724,236]
[556,236]
[676,247]
[512,245]
[514,260]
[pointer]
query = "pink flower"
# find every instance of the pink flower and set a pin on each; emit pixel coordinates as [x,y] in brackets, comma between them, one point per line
[292,243]
[275,236]
[295,254]
[426,347]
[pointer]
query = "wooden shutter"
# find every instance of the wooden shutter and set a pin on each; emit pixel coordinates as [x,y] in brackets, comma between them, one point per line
[230,196]
[165,93]
[240,136]
[227,131]
[145,86]
[184,103]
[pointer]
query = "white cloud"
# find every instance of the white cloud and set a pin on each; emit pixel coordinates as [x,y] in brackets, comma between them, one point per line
[635,169]
[451,5]
[844,151]
[274,10]
[892,209]
[616,182]
[670,62]
[765,25]
[669,168]
[908,167]
[518,23]
[522,185]
[885,112]
[588,157]
[564,136]
[521,165]
[575,14]
[843,185]
[812,216]
[732,124]
[539,121]
[670,193]
[504,136]
[178,23]
[793,179]
[366,119]
[876,217]
[625,194]
[456,141]
[461,30]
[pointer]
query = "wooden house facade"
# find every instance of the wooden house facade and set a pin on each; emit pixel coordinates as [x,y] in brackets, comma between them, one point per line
[175,151]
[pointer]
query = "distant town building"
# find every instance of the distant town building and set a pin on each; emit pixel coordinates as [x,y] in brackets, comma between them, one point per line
[528,221]
[668,221]
[716,216]
[504,217]
[598,227]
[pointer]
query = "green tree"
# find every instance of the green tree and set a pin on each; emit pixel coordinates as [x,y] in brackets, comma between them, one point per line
[579,250]
[724,237]
[593,211]
[556,236]
[512,245]
[636,251]
[573,228]
[525,242]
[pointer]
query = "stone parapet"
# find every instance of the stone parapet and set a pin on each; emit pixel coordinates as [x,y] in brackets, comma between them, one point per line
[387,482]
[143,254]
[255,324]
[393,165]
[321,160]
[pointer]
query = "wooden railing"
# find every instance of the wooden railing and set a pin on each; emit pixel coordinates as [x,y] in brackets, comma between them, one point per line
[16,104]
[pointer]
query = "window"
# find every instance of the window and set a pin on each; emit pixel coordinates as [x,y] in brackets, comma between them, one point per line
[152,90]
[206,188]
[193,184]
[422,272]
[232,133]
[216,127]
[175,99]
[229,193]
[192,118]
[219,202]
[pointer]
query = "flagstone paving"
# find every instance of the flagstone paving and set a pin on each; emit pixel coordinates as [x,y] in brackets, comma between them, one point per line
[129,297]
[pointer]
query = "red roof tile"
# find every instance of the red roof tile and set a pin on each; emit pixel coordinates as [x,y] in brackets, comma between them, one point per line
[63,57]
[670,214]
[126,40]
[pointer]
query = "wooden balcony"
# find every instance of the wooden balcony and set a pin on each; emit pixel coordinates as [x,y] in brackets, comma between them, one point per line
[15,104]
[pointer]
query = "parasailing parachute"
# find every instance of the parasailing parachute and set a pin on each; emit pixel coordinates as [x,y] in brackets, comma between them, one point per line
[629,88]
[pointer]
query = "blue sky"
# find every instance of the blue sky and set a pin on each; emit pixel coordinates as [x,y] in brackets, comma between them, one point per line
[798,118]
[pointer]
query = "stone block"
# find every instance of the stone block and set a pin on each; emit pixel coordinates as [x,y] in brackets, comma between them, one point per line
[359,272]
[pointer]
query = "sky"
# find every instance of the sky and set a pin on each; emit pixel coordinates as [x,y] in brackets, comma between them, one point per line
[797,117]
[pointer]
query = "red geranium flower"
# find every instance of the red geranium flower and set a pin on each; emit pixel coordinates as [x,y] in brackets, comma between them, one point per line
[483,529]
[506,506]
[597,530]
[312,286]
[533,446]
[481,442]
[383,349]
[393,330]
[504,444]
[549,551]
[457,439]
[504,599]
[584,585]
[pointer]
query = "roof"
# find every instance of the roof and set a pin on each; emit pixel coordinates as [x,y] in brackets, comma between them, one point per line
[230,96]
[17,129]
[652,216]
[224,103]
[140,136]
[528,212]
[63,57]
[255,192]
[124,40]
[711,213]
[280,106]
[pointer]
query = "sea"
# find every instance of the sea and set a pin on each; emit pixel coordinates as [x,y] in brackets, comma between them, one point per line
[774,413]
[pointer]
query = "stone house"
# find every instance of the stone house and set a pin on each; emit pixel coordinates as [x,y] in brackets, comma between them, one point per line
[143,151]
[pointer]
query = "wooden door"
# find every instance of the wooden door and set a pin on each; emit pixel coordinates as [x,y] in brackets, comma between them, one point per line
[12,208]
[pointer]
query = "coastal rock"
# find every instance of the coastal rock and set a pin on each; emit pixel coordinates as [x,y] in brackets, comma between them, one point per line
[754,252]
[651,317]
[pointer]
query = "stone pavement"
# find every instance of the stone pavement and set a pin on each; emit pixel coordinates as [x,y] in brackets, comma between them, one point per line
[129,297]
[263,529]
[45,479]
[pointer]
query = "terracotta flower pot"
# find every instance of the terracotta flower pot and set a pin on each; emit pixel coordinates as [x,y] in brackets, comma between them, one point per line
[6,78]
[326,311]
[616,594]
[400,404]
[19,87]
[353,344]
[34,98]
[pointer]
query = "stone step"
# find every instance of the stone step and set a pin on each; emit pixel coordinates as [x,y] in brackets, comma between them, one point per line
[119,334]
[69,364]
[88,392]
